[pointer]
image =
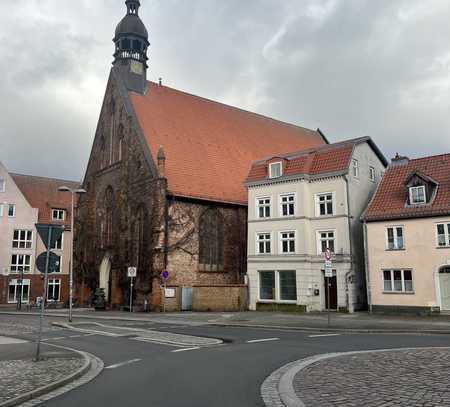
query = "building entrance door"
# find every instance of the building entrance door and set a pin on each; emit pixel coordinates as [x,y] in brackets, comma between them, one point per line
[186,299]
[105,276]
[444,285]
[333,292]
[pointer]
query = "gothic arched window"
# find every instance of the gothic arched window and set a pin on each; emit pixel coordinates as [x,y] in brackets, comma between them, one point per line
[121,135]
[109,216]
[211,238]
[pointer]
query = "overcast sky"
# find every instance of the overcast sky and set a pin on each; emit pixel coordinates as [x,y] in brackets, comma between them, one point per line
[352,68]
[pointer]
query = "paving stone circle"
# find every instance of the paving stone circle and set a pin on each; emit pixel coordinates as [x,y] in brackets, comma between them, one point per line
[401,378]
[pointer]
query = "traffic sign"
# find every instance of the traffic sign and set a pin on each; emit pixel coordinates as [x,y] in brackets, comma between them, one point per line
[328,254]
[54,262]
[132,272]
[165,275]
[44,231]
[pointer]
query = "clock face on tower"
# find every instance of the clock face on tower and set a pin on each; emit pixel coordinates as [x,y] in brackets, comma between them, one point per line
[136,67]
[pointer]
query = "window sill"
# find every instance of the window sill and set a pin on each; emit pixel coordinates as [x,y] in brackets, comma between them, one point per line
[400,292]
[443,247]
[396,250]
[278,301]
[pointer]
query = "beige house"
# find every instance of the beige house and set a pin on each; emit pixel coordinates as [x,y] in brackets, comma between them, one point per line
[407,228]
[301,204]
[25,201]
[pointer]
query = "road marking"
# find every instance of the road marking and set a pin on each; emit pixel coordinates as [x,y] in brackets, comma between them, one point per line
[319,336]
[128,362]
[55,339]
[263,340]
[75,336]
[186,349]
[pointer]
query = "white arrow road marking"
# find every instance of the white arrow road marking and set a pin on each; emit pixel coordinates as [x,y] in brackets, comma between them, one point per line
[263,340]
[186,349]
[319,336]
[128,362]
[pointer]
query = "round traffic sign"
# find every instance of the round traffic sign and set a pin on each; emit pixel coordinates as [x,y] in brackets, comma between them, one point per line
[328,254]
[165,275]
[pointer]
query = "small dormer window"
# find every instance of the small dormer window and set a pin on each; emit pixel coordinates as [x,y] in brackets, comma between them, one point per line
[275,170]
[2,184]
[417,195]
[58,214]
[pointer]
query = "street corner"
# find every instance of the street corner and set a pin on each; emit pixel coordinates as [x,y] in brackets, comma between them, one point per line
[23,378]
[406,377]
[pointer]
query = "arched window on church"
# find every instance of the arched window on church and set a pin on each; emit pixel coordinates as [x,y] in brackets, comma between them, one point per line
[139,238]
[112,132]
[109,217]
[102,153]
[211,241]
[120,135]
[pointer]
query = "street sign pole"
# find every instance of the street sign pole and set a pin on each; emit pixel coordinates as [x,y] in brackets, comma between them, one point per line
[131,294]
[328,296]
[41,317]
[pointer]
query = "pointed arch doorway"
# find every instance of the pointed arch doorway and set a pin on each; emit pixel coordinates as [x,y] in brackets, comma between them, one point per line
[105,276]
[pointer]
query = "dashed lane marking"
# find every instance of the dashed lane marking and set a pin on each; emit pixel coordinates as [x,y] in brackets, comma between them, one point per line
[322,335]
[185,349]
[263,340]
[128,362]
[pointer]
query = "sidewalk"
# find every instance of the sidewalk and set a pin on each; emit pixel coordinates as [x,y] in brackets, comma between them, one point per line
[21,378]
[357,322]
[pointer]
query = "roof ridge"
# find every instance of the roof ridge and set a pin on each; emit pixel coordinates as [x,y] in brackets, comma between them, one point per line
[427,157]
[14,174]
[233,107]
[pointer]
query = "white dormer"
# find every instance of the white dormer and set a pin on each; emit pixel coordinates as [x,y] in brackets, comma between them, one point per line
[417,195]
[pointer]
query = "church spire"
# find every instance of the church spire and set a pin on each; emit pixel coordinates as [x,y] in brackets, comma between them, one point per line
[131,43]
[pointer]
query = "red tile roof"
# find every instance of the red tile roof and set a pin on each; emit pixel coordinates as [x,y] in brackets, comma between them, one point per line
[209,146]
[42,193]
[389,201]
[325,159]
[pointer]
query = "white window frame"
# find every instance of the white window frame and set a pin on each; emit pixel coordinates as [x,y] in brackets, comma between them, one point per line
[269,205]
[281,240]
[25,282]
[319,240]
[395,234]
[403,290]
[58,211]
[28,243]
[446,234]
[13,206]
[317,204]
[281,203]
[257,251]
[355,167]
[26,266]
[2,184]
[54,282]
[277,288]
[1,210]
[372,173]
[62,244]
[275,164]
[411,189]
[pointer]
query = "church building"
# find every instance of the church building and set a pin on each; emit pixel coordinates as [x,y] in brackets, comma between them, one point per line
[165,188]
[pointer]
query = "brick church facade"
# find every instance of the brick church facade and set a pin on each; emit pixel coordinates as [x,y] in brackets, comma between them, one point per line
[165,186]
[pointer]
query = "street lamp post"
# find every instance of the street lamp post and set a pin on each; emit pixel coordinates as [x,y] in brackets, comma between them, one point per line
[72,216]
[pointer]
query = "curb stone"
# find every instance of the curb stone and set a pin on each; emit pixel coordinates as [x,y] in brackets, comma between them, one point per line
[240,325]
[278,390]
[45,391]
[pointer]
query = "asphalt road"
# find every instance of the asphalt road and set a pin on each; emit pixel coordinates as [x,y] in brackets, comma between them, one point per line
[229,375]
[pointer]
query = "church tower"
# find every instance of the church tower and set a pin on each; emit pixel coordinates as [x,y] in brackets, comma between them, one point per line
[130,56]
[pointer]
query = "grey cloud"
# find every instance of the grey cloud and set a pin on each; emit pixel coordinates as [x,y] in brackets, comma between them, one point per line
[351,67]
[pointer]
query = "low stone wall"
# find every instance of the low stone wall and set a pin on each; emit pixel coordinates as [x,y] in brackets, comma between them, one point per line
[404,310]
[217,298]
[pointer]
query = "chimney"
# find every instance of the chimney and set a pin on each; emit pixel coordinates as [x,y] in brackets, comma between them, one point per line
[399,160]
[161,157]
[160,81]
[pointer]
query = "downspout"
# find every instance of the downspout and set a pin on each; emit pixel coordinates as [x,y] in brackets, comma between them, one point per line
[366,261]
[350,235]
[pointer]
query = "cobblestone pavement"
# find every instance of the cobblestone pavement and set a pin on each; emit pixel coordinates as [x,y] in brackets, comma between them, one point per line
[11,325]
[21,376]
[416,377]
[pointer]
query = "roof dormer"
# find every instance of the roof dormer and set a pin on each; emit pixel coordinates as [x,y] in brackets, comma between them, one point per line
[421,189]
[276,167]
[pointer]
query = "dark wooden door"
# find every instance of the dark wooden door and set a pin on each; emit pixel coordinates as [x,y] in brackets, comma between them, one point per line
[333,292]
